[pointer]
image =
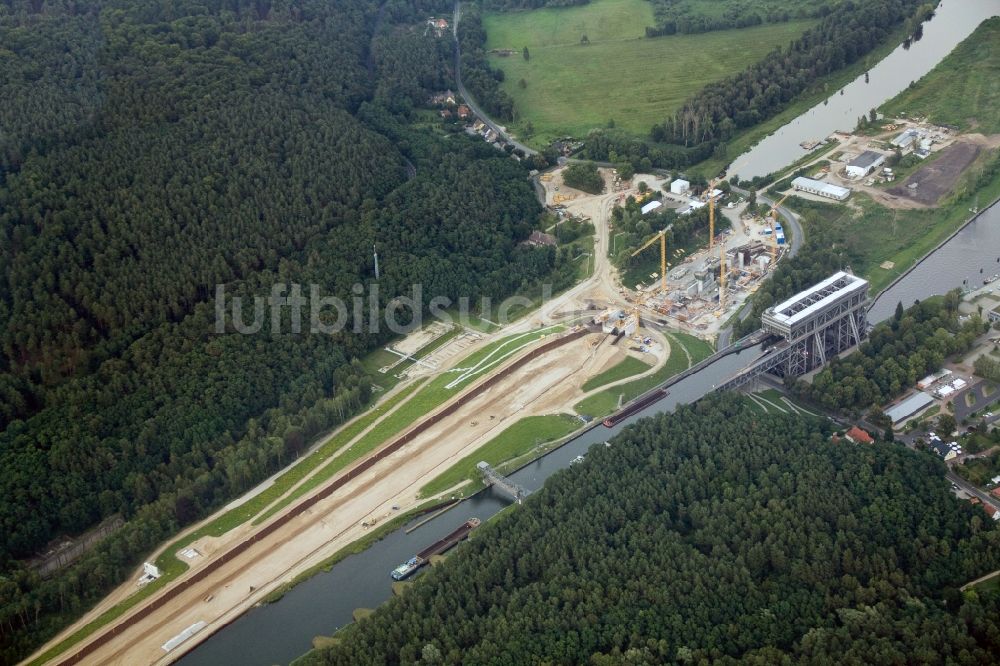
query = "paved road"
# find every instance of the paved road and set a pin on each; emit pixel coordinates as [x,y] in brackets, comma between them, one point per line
[468,98]
[790,219]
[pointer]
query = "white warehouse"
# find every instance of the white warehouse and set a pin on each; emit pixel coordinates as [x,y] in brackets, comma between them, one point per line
[865,163]
[821,189]
[680,186]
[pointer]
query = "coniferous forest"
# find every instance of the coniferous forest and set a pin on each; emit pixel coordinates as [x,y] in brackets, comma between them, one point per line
[713,534]
[153,150]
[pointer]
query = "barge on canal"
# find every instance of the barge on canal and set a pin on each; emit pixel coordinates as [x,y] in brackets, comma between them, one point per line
[408,568]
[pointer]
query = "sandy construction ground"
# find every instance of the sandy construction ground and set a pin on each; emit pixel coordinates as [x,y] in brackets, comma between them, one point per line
[554,385]
[547,385]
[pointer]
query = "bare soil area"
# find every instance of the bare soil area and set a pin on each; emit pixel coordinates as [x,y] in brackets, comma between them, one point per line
[938,178]
[548,384]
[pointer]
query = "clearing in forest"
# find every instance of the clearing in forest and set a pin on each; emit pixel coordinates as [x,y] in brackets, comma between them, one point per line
[570,88]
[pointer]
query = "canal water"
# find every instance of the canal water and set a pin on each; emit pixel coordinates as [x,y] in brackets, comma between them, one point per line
[953,21]
[972,255]
[280,632]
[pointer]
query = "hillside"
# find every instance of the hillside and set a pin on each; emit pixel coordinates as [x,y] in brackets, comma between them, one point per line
[713,533]
[155,153]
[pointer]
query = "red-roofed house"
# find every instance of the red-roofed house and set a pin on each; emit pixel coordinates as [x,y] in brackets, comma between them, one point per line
[991,511]
[995,492]
[464,112]
[858,436]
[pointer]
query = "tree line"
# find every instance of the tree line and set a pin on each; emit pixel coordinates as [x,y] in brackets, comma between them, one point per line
[479,77]
[703,124]
[681,17]
[712,534]
[718,111]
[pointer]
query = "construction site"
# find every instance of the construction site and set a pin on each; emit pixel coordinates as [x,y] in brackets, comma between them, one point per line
[697,292]
[457,390]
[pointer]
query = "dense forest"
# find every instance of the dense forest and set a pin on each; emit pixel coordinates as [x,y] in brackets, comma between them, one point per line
[898,352]
[700,128]
[713,534]
[152,151]
[693,16]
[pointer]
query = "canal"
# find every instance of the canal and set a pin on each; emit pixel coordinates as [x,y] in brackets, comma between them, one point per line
[278,633]
[967,258]
[953,21]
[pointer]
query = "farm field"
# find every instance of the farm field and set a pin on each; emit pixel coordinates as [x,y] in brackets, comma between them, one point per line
[571,88]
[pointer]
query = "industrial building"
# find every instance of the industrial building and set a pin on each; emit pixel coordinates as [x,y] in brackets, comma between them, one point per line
[810,328]
[865,163]
[820,188]
[680,186]
[915,404]
[906,141]
[651,206]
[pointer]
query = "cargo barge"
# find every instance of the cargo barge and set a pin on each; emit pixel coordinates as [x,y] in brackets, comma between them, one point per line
[636,406]
[409,567]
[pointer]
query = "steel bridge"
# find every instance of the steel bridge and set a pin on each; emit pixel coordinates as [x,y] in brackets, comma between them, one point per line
[498,480]
[811,327]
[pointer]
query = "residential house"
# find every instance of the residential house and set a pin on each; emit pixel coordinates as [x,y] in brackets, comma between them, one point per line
[858,436]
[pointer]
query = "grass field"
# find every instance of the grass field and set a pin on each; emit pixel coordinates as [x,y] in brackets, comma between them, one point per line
[629,366]
[685,351]
[517,440]
[971,76]
[621,75]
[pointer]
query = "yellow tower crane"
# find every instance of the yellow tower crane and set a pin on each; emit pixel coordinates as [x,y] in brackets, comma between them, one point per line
[662,237]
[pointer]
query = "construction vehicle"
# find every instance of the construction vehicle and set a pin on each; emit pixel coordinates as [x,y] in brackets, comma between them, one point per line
[773,217]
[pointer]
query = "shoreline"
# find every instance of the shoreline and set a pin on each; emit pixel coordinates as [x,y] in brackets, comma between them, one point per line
[928,255]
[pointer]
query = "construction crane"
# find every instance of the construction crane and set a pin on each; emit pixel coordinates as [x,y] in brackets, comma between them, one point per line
[722,279]
[711,214]
[662,237]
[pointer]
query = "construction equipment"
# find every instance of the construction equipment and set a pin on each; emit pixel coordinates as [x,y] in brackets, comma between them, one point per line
[773,215]
[711,214]
[722,278]
[662,237]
